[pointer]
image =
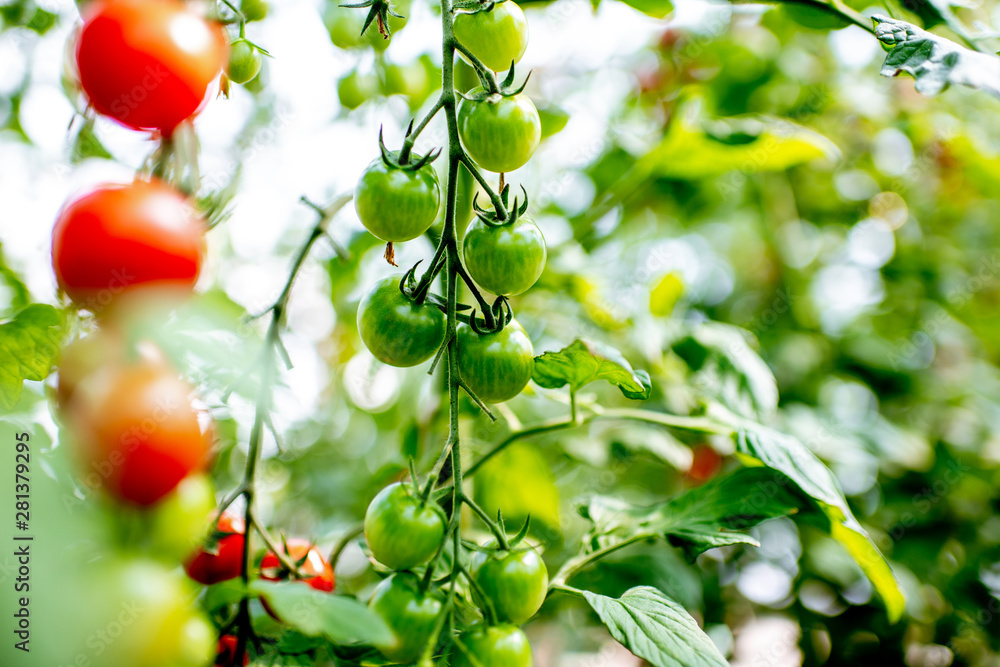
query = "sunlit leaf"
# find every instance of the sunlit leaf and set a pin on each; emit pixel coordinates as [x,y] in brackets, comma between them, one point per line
[519,481]
[933,61]
[586,361]
[28,346]
[658,9]
[655,628]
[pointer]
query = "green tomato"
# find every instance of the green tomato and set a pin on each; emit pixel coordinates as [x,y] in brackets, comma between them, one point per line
[354,89]
[504,260]
[497,37]
[397,331]
[499,646]
[152,618]
[397,204]
[244,61]
[401,531]
[410,615]
[410,80]
[496,366]
[499,133]
[254,10]
[515,582]
[345,23]
[180,522]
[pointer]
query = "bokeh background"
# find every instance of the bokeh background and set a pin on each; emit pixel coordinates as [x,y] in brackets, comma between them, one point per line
[723,183]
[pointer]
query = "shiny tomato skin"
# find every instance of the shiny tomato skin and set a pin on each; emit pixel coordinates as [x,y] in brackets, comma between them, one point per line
[227,561]
[497,646]
[402,532]
[515,581]
[504,260]
[120,237]
[410,615]
[497,37]
[148,63]
[244,61]
[137,430]
[397,204]
[317,570]
[397,331]
[495,366]
[499,133]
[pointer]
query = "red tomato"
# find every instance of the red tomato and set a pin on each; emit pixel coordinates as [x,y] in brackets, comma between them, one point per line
[319,573]
[227,561]
[137,431]
[122,236]
[704,464]
[148,63]
[227,652]
[85,356]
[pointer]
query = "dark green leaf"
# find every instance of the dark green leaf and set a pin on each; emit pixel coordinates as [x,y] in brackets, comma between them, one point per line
[586,361]
[28,346]
[340,619]
[703,518]
[933,61]
[655,628]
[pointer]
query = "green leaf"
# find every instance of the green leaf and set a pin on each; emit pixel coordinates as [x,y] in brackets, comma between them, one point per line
[28,345]
[20,297]
[586,361]
[87,145]
[658,9]
[696,147]
[703,518]
[341,619]
[933,61]
[760,445]
[655,628]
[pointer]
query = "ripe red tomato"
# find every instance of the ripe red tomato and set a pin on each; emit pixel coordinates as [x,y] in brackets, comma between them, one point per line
[148,63]
[137,432]
[227,652]
[122,236]
[317,570]
[227,561]
[705,463]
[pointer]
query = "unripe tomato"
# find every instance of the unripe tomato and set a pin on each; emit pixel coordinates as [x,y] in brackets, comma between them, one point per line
[225,562]
[148,63]
[254,10]
[315,568]
[153,607]
[181,521]
[137,430]
[499,646]
[119,237]
[410,615]
[344,25]
[401,531]
[397,204]
[515,582]
[497,37]
[244,61]
[499,133]
[495,366]
[227,652]
[354,89]
[396,330]
[504,260]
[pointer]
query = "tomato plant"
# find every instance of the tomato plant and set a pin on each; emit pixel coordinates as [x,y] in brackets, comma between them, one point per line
[409,612]
[397,201]
[396,330]
[496,366]
[498,646]
[312,569]
[403,531]
[119,237]
[500,132]
[223,560]
[504,258]
[147,64]
[516,582]
[498,36]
